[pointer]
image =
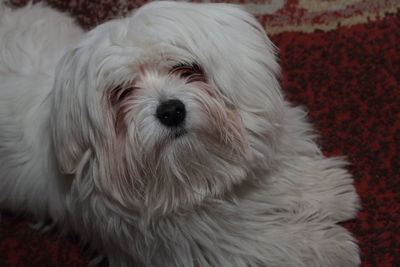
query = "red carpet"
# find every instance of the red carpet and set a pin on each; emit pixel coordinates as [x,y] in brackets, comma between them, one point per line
[343,63]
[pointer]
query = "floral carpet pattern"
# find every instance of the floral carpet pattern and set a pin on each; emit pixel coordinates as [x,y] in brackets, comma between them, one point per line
[340,58]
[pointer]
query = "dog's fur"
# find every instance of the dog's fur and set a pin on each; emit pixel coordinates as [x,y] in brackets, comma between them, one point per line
[242,184]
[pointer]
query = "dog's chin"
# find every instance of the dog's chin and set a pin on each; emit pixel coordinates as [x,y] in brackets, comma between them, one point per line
[189,168]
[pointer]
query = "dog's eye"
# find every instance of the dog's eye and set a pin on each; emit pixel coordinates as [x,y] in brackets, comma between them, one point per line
[191,72]
[119,93]
[125,92]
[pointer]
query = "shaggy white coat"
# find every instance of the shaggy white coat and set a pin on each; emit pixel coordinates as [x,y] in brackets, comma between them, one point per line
[245,185]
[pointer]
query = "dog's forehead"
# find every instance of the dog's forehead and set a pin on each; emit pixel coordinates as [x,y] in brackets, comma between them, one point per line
[221,38]
[156,34]
[207,31]
[187,24]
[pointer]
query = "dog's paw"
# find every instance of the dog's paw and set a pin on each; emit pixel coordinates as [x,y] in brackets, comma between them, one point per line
[336,247]
[315,244]
[323,185]
[334,192]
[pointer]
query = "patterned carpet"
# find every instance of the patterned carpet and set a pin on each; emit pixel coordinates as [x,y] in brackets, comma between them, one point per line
[340,58]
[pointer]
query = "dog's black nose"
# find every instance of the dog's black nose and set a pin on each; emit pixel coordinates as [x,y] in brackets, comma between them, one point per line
[171,113]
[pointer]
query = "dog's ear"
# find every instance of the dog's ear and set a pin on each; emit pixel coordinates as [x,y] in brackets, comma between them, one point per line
[69,118]
[78,122]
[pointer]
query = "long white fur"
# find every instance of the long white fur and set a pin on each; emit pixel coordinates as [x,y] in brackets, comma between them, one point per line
[245,186]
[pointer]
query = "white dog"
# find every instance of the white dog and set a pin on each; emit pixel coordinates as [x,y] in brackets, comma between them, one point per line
[163,139]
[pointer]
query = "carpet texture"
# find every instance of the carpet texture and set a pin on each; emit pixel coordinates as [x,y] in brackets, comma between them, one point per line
[341,60]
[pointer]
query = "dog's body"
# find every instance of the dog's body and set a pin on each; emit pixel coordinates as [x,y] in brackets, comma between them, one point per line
[85,140]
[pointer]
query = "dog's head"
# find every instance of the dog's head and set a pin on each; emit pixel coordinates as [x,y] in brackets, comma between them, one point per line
[168,106]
